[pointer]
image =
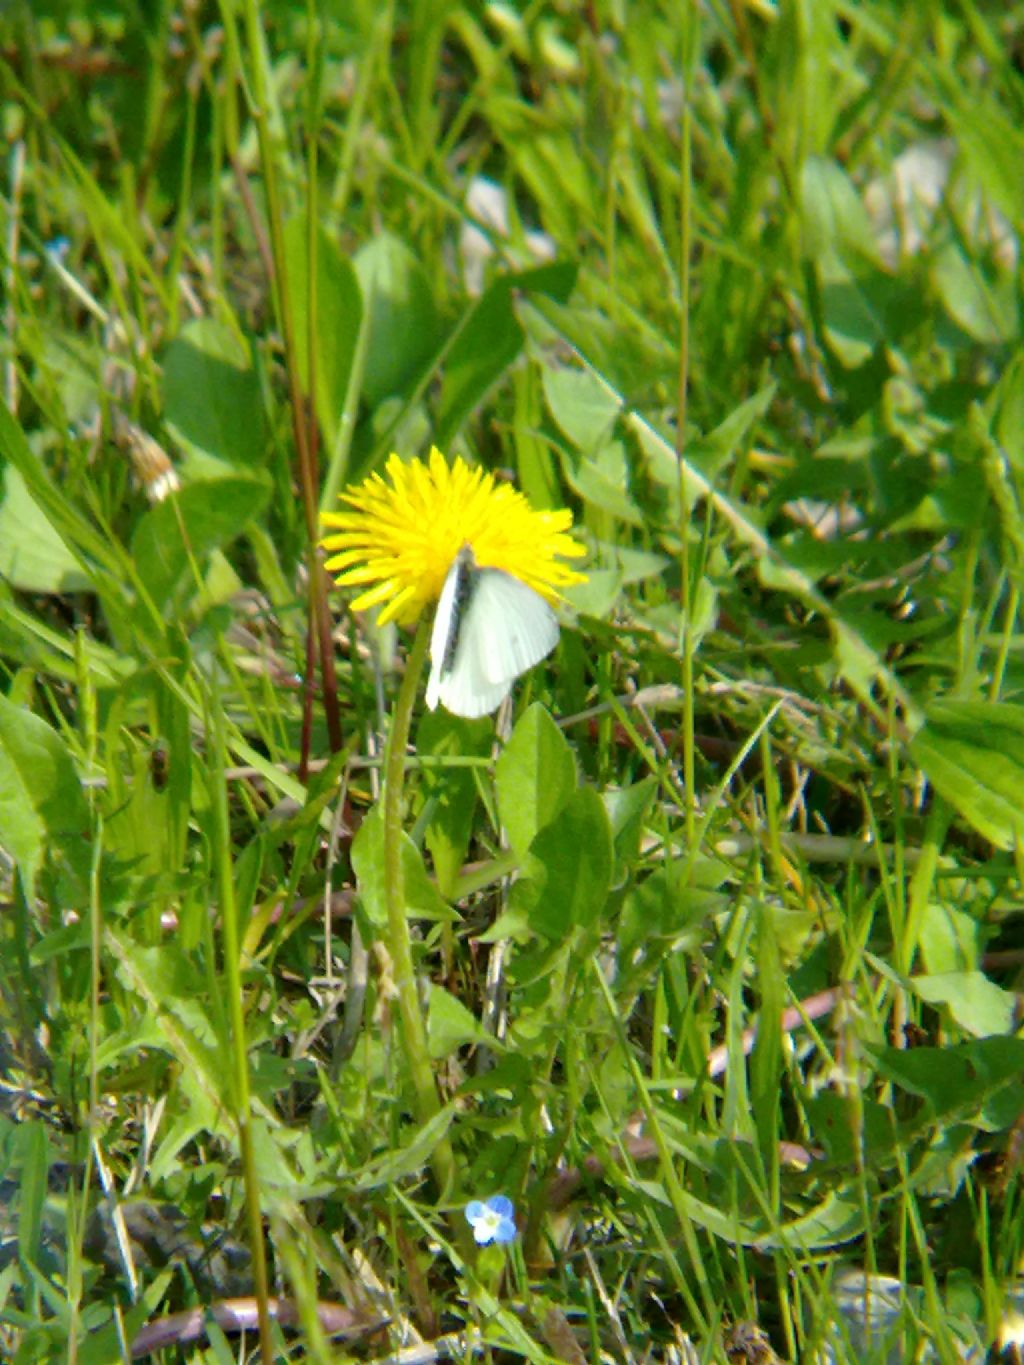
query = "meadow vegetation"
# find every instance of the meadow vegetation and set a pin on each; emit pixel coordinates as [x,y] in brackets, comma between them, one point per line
[714,937]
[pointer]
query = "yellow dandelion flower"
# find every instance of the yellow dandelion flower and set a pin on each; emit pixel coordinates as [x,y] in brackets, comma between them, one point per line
[405,532]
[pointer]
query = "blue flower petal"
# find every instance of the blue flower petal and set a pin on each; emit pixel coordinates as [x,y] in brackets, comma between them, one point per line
[505,1231]
[492,1220]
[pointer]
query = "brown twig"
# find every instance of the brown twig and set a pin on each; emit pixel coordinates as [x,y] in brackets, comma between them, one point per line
[240,1315]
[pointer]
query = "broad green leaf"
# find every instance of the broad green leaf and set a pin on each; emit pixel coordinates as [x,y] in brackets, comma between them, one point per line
[838,1218]
[602,480]
[489,340]
[977,1004]
[339,316]
[450,1025]
[570,864]
[33,1151]
[628,809]
[201,517]
[400,314]
[1004,409]
[844,1130]
[834,220]
[40,794]
[584,408]
[76,531]
[212,400]
[973,754]
[535,776]
[668,905]
[33,556]
[422,899]
[983,303]
[853,325]
[959,1079]
[950,939]
[598,594]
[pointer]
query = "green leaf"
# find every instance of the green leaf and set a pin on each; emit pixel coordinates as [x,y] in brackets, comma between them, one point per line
[212,400]
[76,531]
[602,480]
[977,1004]
[450,1025]
[835,221]
[199,518]
[33,1149]
[983,303]
[950,939]
[33,556]
[40,794]
[671,903]
[401,316]
[422,898]
[628,808]
[956,1079]
[339,316]
[534,777]
[571,865]
[838,1218]
[844,1130]
[584,408]
[1004,408]
[973,754]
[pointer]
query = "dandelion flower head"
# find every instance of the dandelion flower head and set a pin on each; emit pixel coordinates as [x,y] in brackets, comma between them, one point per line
[401,535]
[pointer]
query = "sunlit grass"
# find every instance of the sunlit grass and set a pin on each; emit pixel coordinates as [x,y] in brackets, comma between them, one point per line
[715,936]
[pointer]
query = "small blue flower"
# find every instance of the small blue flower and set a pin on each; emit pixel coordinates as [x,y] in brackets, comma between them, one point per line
[492,1220]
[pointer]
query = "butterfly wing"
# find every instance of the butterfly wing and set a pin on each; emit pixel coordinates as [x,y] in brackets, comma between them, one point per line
[488,628]
[514,626]
[506,628]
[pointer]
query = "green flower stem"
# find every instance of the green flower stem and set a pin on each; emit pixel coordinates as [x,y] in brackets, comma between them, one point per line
[399,943]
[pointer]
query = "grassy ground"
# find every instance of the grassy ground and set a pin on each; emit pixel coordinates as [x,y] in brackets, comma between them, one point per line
[717,940]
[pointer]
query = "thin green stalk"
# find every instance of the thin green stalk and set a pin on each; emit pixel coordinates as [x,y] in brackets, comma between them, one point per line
[1005,644]
[399,941]
[236,1015]
[686,643]
[414,1030]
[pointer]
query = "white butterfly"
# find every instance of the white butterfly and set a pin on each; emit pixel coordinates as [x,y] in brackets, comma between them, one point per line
[489,627]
